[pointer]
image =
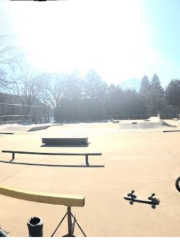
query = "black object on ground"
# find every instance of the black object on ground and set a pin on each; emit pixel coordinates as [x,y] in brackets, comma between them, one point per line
[177,184]
[151,200]
[66,141]
[35,227]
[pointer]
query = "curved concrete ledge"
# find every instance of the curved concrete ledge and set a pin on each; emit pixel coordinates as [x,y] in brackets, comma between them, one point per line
[49,198]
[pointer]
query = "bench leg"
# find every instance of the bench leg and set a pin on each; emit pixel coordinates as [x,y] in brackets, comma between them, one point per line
[13,157]
[87,163]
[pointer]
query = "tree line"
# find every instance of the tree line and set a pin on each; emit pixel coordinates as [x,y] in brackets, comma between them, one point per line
[69,97]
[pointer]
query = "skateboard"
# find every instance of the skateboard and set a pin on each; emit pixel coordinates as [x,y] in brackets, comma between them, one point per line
[151,200]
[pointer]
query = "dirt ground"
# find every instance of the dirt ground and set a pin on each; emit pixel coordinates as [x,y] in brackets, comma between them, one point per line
[144,160]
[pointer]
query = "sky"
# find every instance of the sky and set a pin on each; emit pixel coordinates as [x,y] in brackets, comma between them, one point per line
[120,39]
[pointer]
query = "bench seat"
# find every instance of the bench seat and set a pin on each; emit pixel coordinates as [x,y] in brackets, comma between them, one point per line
[49,198]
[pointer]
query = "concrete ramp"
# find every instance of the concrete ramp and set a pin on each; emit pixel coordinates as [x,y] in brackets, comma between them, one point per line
[153,123]
[154,119]
[16,128]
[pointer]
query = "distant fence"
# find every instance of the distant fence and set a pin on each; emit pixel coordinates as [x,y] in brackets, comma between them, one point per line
[23,113]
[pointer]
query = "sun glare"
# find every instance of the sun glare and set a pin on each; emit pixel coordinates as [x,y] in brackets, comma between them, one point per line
[108,36]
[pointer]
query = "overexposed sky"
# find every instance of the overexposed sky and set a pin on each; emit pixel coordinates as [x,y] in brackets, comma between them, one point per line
[110,36]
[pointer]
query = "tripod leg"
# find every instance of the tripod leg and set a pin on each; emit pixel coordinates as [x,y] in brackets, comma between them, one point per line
[71,224]
[58,225]
[80,227]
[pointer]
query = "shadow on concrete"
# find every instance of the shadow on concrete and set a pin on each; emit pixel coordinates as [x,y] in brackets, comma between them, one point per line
[65,145]
[52,165]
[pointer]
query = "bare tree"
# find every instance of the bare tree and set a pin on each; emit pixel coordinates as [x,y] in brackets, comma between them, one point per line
[53,91]
[26,85]
[10,54]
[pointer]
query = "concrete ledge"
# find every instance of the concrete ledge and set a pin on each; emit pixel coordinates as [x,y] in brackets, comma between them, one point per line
[65,141]
[171,131]
[6,133]
[49,198]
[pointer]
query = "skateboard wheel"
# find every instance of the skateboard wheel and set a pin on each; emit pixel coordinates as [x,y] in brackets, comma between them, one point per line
[151,197]
[130,194]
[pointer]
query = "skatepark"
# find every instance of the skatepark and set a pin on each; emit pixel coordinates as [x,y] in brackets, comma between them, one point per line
[136,154]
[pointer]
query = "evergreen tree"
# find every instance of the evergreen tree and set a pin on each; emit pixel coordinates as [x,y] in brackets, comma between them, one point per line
[145,95]
[172,93]
[157,101]
[145,87]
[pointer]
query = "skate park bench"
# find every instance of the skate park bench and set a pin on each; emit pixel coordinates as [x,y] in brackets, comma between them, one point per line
[51,153]
[48,198]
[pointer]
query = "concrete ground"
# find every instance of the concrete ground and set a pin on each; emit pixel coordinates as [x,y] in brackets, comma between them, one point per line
[144,160]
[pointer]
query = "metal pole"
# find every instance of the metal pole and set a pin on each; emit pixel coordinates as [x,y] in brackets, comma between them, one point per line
[87,163]
[70,224]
